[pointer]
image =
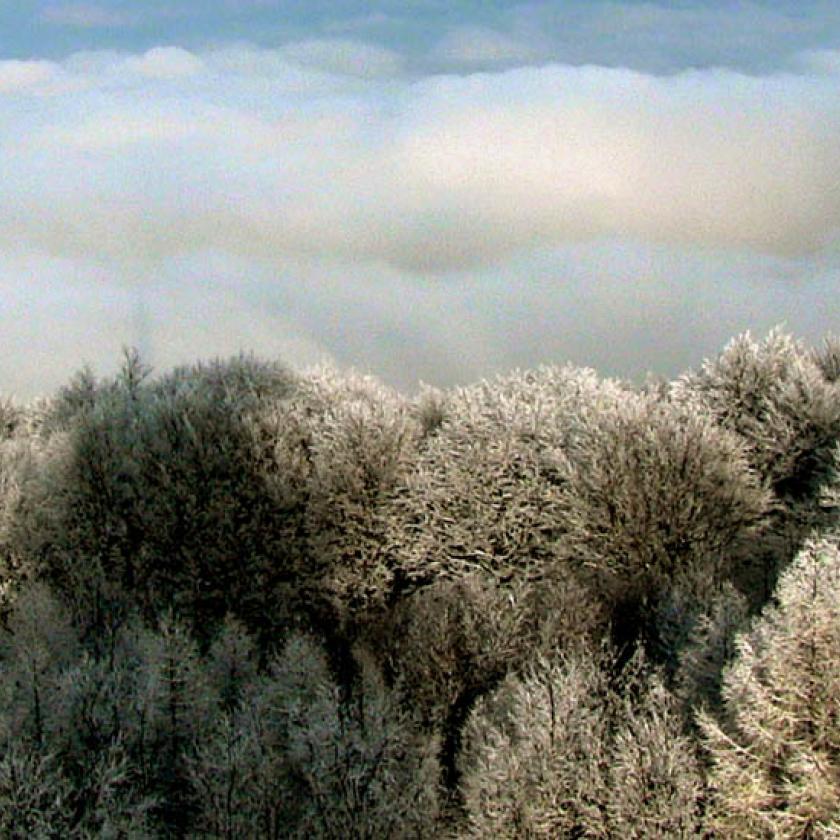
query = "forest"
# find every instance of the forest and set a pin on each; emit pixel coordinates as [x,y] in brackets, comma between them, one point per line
[239,601]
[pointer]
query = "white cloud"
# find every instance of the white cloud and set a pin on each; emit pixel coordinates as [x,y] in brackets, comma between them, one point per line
[165,63]
[24,75]
[622,306]
[299,211]
[241,152]
[819,61]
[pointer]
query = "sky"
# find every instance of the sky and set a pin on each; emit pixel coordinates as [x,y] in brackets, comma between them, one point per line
[427,191]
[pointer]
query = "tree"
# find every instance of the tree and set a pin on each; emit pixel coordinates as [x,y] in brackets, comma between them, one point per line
[709,648]
[659,498]
[658,494]
[565,750]
[783,401]
[39,642]
[484,493]
[68,767]
[300,758]
[778,399]
[828,358]
[452,642]
[776,750]
[150,496]
[34,795]
[339,447]
[173,707]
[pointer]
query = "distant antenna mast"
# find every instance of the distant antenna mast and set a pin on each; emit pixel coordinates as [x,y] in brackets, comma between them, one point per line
[141,324]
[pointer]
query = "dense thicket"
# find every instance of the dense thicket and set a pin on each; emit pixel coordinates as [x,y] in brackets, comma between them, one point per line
[239,601]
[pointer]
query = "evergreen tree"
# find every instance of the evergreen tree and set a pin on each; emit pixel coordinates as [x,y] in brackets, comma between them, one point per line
[776,751]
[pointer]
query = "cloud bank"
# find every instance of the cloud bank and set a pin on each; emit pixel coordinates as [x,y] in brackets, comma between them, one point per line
[313,151]
[323,200]
[621,307]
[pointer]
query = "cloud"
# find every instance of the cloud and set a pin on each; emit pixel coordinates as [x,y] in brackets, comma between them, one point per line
[478,45]
[819,61]
[754,36]
[437,228]
[246,152]
[344,57]
[440,212]
[623,307]
[24,75]
[164,63]
[86,16]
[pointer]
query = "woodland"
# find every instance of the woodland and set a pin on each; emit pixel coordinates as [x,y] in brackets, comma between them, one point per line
[238,601]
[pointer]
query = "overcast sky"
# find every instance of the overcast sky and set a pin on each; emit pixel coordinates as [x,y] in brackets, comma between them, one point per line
[433,190]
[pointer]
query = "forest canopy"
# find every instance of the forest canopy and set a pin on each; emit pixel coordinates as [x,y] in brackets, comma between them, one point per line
[242,601]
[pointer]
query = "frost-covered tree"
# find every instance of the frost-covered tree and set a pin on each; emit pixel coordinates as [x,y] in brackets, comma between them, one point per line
[173,707]
[565,750]
[68,768]
[298,757]
[335,451]
[38,643]
[828,358]
[484,493]
[232,663]
[15,462]
[540,473]
[541,507]
[368,772]
[11,417]
[35,796]
[452,642]
[709,647]
[776,751]
[783,401]
[776,396]
[659,495]
[150,495]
